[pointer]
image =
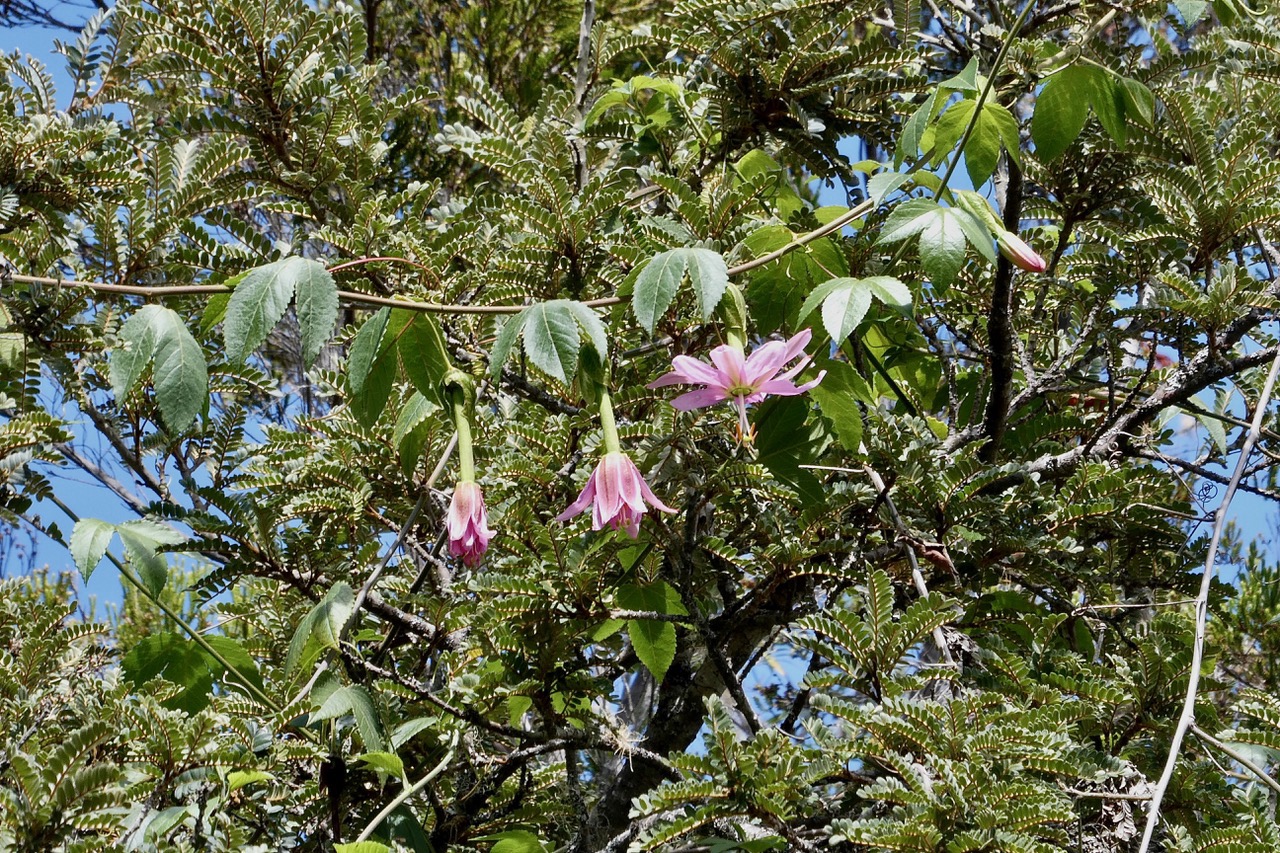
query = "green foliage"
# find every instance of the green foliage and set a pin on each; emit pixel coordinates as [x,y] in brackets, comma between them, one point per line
[937,602]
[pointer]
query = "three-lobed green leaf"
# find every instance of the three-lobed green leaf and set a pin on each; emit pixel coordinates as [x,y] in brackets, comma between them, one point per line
[157,335]
[551,333]
[657,284]
[262,297]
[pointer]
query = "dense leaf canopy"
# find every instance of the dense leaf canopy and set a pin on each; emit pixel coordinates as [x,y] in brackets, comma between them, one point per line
[897,356]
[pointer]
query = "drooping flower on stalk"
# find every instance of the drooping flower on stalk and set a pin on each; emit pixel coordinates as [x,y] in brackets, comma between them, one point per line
[1021,255]
[467,522]
[744,379]
[616,491]
[617,495]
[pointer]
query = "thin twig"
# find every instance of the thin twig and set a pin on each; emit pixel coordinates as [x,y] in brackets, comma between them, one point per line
[1187,718]
[410,791]
[164,292]
[383,563]
[1237,757]
[904,533]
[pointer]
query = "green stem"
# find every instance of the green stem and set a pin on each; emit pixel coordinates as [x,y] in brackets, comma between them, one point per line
[982,97]
[466,458]
[607,424]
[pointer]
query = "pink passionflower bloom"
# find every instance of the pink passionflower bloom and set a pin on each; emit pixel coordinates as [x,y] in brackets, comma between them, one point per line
[468,523]
[1019,253]
[617,495]
[742,379]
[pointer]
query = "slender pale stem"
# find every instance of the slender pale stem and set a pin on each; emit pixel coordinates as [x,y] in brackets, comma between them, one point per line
[1187,718]
[408,792]
[982,96]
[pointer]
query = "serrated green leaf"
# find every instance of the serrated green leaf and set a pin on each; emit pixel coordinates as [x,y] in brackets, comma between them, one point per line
[844,303]
[709,276]
[12,344]
[976,233]
[1213,426]
[246,668]
[141,539]
[777,290]
[786,441]
[942,247]
[215,311]
[591,324]
[951,126]
[256,306]
[128,362]
[1190,10]
[316,299]
[1139,102]
[362,847]
[1061,109]
[178,661]
[181,376]
[656,287]
[995,128]
[365,348]
[237,779]
[881,184]
[504,341]
[421,348]
[414,426]
[551,339]
[889,290]
[387,762]
[914,128]
[1106,96]
[89,541]
[837,396]
[355,700]
[515,841]
[907,219]
[12,349]
[320,628]
[654,643]
[658,597]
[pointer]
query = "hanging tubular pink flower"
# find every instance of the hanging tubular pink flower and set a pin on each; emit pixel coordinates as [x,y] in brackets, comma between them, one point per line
[1019,253]
[468,523]
[617,495]
[742,379]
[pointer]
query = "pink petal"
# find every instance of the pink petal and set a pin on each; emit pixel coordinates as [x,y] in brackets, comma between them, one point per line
[631,487]
[632,526]
[699,398]
[764,363]
[785,388]
[1019,253]
[609,486]
[698,372]
[796,345]
[652,498]
[778,388]
[731,363]
[585,498]
[675,377]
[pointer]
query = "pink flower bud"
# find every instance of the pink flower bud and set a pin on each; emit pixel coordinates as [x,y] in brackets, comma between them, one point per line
[617,495]
[1019,253]
[468,523]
